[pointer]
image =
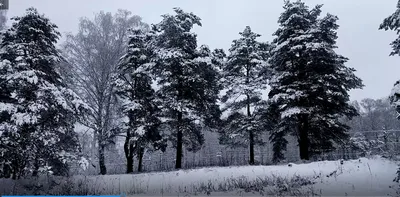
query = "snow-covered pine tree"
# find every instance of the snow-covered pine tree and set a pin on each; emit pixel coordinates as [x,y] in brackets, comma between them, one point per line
[37,111]
[331,80]
[311,81]
[187,80]
[139,104]
[393,23]
[286,88]
[218,60]
[244,83]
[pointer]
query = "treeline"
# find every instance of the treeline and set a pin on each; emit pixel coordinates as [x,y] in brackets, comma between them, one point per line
[376,131]
[154,86]
[375,115]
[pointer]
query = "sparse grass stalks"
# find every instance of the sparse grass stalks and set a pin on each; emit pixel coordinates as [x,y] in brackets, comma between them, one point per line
[295,186]
[100,185]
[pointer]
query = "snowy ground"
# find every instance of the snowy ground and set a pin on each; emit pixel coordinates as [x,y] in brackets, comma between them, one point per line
[364,177]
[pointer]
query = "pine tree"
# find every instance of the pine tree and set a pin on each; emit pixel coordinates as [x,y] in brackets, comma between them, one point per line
[331,82]
[139,103]
[37,111]
[244,82]
[187,80]
[393,23]
[286,62]
[311,82]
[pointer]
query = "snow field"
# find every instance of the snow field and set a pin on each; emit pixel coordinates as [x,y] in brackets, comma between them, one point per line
[371,177]
[363,177]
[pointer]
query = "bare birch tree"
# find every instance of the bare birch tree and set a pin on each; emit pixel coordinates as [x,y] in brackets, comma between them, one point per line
[93,54]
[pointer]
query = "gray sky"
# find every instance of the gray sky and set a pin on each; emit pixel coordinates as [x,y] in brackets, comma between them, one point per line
[359,38]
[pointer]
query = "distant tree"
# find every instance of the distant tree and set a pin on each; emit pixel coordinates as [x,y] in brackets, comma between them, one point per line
[356,123]
[375,130]
[376,115]
[187,80]
[37,111]
[93,54]
[386,115]
[139,104]
[383,143]
[370,113]
[3,19]
[244,82]
[310,83]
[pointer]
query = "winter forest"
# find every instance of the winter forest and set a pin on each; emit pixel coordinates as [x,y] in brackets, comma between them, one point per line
[122,97]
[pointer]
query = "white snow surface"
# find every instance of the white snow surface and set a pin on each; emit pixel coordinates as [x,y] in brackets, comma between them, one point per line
[363,177]
[291,111]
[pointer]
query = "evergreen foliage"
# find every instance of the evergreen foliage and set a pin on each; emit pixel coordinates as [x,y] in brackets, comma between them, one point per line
[310,82]
[139,104]
[244,82]
[37,111]
[187,80]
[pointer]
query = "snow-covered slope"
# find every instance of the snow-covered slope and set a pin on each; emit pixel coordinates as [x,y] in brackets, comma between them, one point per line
[372,177]
[363,177]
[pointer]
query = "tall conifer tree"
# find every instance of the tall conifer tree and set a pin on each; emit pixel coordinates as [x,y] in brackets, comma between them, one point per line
[310,84]
[37,111]
[187,79]
[139,104]
[244,82]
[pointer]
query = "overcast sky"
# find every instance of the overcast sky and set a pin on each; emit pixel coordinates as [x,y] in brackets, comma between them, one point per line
[359,37]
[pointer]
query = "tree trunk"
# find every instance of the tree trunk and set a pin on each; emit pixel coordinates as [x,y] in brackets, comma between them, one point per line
[128,149]
[251,135]
[93,146]
[140,155]
[15,168]
[304,141]
[179,145]
[6,171]
[128,146]
[35,168]
[35,172]
[103,169]
[252,161]
[179,134]
[14,175]
[129,165]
